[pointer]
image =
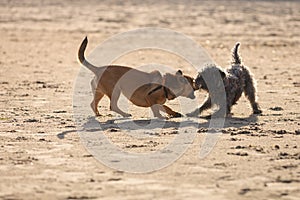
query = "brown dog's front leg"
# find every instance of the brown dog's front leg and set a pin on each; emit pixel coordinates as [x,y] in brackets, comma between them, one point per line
[114,103]
[170,112]
[115,108]
[155,109]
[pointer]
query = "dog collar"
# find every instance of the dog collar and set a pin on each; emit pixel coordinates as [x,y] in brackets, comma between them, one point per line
[169,94]
[155,89]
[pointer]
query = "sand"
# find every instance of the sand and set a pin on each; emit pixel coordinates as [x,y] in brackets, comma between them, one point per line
[41,154]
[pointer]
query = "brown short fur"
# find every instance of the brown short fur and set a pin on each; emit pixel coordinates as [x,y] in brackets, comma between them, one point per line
[141,88]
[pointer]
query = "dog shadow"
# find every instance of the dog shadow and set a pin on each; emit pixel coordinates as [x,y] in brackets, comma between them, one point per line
[129,124]
[240,122]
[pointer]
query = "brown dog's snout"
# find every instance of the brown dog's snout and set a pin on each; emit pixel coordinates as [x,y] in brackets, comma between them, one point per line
[192,95]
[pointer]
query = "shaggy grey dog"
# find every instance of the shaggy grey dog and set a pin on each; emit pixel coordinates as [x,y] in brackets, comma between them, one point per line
[225,87]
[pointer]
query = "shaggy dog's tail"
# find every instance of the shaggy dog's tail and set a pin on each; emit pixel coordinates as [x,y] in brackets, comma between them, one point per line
[236,59]
[82,59]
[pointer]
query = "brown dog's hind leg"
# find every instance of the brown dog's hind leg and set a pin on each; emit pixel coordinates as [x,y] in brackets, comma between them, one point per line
[94,105]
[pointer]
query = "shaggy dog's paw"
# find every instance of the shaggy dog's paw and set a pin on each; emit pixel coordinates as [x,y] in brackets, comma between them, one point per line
[257,112]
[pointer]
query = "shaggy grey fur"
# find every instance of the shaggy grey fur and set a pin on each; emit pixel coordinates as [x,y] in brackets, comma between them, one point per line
[225,87]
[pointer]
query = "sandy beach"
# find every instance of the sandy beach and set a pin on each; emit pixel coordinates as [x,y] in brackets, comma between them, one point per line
[41,153]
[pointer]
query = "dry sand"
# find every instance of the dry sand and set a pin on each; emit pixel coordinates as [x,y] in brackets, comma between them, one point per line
[41,155]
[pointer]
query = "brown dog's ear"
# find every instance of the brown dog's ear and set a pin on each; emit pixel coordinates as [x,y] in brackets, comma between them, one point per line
[179,72]
[192,82]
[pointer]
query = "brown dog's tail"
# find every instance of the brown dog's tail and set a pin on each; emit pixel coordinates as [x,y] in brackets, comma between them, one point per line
[236,59]
[82,59]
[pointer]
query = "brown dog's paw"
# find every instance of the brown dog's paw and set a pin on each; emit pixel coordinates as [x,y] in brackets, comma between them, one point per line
[127,115]
[162,117]
[176,115]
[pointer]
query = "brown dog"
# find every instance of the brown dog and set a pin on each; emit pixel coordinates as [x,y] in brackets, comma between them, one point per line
[141,88]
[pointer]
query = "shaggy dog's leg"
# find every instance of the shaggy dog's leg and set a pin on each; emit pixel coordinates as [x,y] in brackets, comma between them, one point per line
[206,105]
[250,91]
